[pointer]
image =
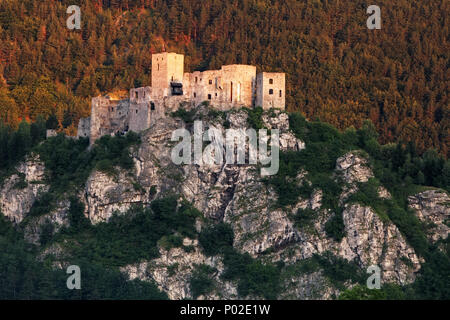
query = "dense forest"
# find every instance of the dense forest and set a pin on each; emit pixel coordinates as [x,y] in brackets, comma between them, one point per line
[338,71]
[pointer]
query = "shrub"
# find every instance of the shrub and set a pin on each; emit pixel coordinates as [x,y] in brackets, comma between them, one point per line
[201,282]
[216,239]
[186,116]
[255,118]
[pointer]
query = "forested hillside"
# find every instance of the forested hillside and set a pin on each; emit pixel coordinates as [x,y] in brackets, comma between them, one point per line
[338,71]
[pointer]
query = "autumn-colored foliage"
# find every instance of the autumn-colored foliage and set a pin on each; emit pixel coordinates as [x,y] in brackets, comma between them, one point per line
[338,71]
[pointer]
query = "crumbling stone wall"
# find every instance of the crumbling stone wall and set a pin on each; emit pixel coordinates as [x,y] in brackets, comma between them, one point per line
[270,92]
[108,116]
[84,128]
[233,86]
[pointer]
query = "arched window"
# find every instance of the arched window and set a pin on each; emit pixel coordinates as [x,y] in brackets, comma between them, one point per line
[270,91]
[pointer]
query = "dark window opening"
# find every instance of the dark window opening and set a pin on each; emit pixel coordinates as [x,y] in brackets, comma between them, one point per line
[216,94]
[231,92]
[270,81]
[209,97]
[152,106]
[281,93]
[136,111]
[210,81]
[177,88]
[112,109]
[196,79]
[270,91]
[195,95]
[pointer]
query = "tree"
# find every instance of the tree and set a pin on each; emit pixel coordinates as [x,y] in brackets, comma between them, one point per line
[52,122]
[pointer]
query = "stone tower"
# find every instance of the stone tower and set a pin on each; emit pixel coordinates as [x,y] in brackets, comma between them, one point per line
[167,73]
[270,90]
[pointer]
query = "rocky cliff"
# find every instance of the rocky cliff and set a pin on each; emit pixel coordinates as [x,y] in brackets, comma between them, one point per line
[239,196]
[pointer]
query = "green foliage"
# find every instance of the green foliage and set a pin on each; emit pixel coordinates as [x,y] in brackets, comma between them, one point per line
[324,144]
[255,118]
[43,205]
[15,144]
[77,220]
[253,277]
[361,292]
[153,190]
[214,113]
[52,122]
[186,116]
[339,270]
[24,277]
[304,217]
[131,237]
[367,195]
[47,230]
[202,282]
[69,162]
[216,239]
[334,227]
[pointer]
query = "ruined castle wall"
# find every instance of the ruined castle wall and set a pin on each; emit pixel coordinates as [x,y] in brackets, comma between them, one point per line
[140,100]
[107,117]
[119,116]
[166,68]
[232,86]
[84,128]
[271,90]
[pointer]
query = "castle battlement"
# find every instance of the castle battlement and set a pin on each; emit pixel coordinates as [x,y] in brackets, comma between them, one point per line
[232,86]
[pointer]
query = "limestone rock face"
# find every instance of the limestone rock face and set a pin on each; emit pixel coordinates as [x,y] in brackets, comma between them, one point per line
[354,168]
[20,191]
[104,195]
[280,120]
[312,286]
[433,208]
[57,218]
[370,241]
[237,194]
[173,270]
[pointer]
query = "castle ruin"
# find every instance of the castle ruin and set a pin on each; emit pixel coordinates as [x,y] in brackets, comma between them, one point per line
[233,86]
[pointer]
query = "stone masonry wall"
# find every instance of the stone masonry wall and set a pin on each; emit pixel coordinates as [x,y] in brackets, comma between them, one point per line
[271,89]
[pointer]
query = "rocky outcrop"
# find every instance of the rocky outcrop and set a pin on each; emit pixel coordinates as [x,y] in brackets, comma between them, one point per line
[433,208]
[57,218]
[173,270]
[280,120]
[309,286]
[106,194]
[371,241]
[20,191]
[238,195]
